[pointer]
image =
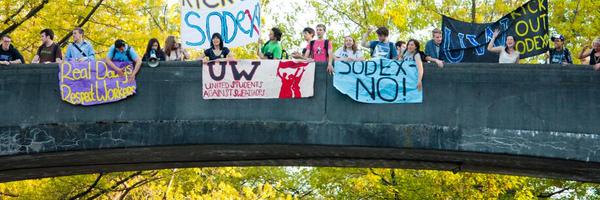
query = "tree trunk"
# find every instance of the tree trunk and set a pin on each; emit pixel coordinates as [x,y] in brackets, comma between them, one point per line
[63,41]
[29,15]
[473,11]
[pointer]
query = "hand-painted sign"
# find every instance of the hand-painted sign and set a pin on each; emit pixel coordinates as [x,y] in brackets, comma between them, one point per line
[91,83]
[260,79]
[238,21]
[378,81]
[467,42]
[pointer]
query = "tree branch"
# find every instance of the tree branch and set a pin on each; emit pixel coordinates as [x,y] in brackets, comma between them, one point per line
[576,12]
[63,41]
[153,19]
[9,19]
[169,185]
[344,14]
[139,184]
[553,193]
[31,13]
[386,182]
[90,188]
[104,191]
[7,194]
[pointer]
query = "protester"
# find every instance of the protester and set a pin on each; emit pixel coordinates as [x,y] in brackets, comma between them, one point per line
[508,53]
[122,52]
[80,50]
[173,50]
[153,51]
[8,53]
[382,48]
[432,48]
[411,53]
[308,33]
[217,51]
[49,51]
[321,49]
[272,49]
[559,54]
[349,52]
[593,53]
[400,46]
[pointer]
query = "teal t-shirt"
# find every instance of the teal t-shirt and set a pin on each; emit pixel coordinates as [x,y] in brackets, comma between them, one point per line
[122,56]
[272,50]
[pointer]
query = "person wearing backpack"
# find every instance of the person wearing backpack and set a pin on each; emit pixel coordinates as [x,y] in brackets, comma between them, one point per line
[49,51]
[381,48]
[559,54]
[121,52]
[321,49]
[271,50]
[80,50]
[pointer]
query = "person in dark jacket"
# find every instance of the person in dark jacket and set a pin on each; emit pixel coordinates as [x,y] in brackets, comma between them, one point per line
[153,51]
[8,53]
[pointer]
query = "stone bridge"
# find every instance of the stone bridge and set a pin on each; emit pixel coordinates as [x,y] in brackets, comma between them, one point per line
[535,120]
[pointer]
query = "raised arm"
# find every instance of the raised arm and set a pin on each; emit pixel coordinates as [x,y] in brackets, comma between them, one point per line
[490,46]
[259,49]
[585,52]
[363,40]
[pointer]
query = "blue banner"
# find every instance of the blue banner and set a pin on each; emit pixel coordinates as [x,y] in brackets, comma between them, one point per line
[378,81]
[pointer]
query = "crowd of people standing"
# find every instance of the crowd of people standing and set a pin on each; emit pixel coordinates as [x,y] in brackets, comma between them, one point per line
[316,48]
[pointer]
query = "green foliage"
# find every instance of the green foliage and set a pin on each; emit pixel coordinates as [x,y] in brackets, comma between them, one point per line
[136,21]
[296,183]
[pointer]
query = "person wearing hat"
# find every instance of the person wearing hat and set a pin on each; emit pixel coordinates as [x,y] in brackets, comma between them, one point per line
[559,54]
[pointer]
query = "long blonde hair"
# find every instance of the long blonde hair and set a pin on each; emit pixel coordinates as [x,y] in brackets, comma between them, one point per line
[354,48]
[169,44]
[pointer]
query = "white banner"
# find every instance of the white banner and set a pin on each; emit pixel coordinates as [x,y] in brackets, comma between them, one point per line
[238,21]
[257,79]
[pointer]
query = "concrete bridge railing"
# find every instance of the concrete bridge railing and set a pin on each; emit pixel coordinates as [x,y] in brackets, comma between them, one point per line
[537,120]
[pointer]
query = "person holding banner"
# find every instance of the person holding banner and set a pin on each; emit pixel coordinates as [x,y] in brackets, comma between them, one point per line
[8,53]
[173,50]
[593,53]
[382,48]
[349,52]
[217,51]
[80,50]
[321,49]
[49,51]
[272,49]
[308,33]
[153,51]
[560,54]
[412,53]
[122,52]
[508,53]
